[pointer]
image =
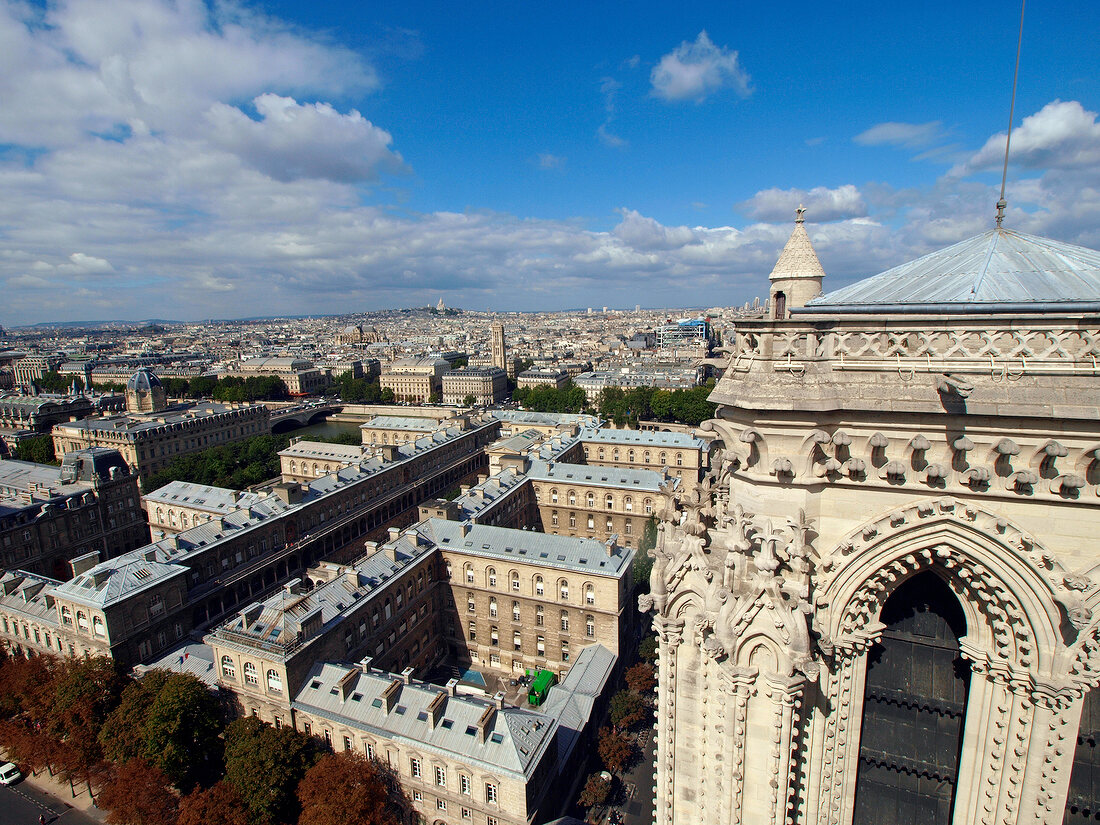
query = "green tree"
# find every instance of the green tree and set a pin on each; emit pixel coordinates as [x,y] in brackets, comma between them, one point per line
[38,449]
[647,649]
[171,721]
[176,387]
[346,788]
[54,381]
[201,386]
[469,401]
[265,765]
[137,794]
[626,709]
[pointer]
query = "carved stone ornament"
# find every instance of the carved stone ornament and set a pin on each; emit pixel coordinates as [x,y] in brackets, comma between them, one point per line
[734,578]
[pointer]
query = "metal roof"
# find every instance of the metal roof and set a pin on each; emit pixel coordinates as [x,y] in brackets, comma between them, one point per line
[997,270]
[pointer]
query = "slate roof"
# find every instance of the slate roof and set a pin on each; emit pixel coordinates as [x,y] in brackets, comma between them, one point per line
[999,269]
[617,477]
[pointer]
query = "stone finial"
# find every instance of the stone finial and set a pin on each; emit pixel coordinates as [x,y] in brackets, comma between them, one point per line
[800,214]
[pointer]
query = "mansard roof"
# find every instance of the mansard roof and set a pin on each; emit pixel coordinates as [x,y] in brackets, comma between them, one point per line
[997,271]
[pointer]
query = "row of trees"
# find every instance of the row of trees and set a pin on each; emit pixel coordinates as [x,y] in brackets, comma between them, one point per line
[237,465]
[615,744]
[545,398]
[158,751]
[628,407]
[360,390]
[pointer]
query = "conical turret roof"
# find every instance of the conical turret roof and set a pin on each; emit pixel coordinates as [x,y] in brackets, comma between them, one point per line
[995,271]
[798,258]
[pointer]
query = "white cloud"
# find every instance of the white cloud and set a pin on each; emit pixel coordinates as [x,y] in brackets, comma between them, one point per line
[822,204]
[84,66]
[293,140]
[548,161]
[908,135]
[1061,135]
[693,71]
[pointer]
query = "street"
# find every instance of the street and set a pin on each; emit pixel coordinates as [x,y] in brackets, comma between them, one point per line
[22,804]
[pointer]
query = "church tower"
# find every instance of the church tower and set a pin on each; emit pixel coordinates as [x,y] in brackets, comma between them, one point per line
[883,602]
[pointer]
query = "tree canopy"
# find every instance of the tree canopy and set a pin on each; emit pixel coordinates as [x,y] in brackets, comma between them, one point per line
[172,722]
[346,788]
[628,407]
[137,794]
[265,765]
[545,398]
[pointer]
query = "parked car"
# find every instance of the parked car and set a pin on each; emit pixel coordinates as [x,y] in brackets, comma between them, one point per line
[9,774]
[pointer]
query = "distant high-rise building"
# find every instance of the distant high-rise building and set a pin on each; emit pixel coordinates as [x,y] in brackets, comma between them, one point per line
[500,352]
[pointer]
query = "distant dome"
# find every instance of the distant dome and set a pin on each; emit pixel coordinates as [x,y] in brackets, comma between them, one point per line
[142,381]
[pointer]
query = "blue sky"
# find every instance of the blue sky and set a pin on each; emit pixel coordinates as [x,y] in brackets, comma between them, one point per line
[193,160]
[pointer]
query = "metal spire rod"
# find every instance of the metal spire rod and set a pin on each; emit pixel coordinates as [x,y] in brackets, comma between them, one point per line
[1002,203]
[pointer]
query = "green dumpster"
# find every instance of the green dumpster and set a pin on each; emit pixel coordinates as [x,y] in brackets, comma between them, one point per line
[540,686]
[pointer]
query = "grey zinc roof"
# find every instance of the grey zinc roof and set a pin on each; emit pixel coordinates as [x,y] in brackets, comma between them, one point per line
[999,267]
[578,555]
[617,477]
[515,739]
[204,497]
[645,438]
[26,594]
[110,582]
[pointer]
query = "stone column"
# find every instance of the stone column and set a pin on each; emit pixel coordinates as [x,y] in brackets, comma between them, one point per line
[670,633]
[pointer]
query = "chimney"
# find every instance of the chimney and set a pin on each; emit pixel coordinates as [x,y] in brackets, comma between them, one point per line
[498,699]
[82,564]
[612,544]
[435,709]
[371,547]
[452,687]
[395,533]
[466,528]
[390,694]
[347,682]
[365,664]
[406,675]
[482,478]
[485,723]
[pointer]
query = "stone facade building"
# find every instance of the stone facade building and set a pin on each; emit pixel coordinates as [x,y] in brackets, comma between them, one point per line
[150,440]
[602,503]
[146,600]
[487,385]
[883,602]
[685,455]
[52,515]
[415,380]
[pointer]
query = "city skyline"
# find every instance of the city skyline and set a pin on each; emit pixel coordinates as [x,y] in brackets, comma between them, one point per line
[187,161]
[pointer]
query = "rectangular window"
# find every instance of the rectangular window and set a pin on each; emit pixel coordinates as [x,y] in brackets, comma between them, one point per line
[540,646]
[414,764]
[418,796]
[516,640]
[440,776]
[490,793]
[347,743]
[467,813]
[370,751]
[441,804]
[464,783]
[473,631]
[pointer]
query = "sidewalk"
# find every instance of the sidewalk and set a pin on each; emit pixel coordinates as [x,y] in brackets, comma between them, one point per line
[61,795]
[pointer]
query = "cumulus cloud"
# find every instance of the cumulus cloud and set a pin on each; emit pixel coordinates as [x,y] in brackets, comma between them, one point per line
[694,71]
[822,204]
[1061,135]
[80,66]
[293,140]
[609,87]
[907,135]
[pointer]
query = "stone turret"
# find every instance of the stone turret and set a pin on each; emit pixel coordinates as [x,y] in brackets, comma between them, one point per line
[797,275]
